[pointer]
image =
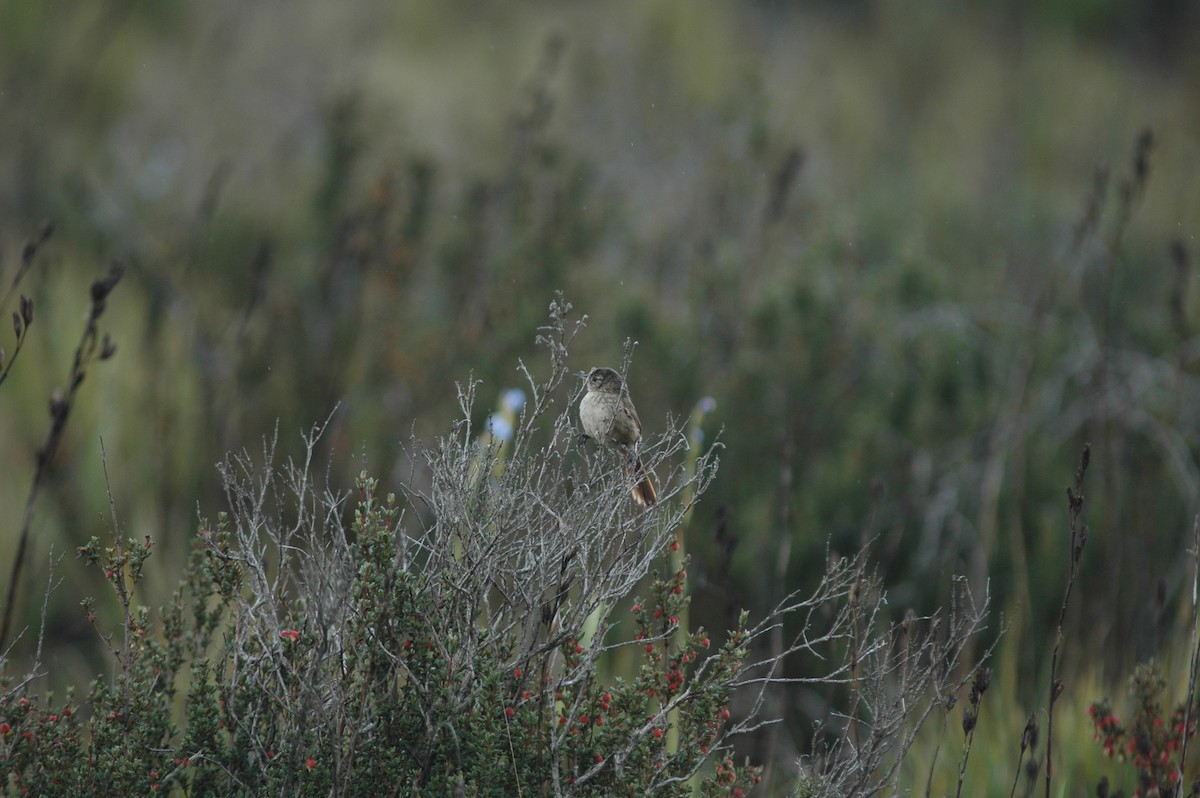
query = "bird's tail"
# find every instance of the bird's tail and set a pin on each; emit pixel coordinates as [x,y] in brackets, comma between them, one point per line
[643,490]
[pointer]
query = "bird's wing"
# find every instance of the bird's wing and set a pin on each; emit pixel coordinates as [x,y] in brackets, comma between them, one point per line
[631,411]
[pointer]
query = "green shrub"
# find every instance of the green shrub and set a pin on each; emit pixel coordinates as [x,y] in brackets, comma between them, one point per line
[464,637]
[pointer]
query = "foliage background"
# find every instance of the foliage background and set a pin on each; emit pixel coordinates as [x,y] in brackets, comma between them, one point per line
[861,227]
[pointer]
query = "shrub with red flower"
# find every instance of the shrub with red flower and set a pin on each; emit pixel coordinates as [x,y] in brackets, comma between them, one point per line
[1154,740]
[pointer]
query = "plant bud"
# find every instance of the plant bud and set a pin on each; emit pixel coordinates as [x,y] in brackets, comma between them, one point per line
[983,680]
[1029,738]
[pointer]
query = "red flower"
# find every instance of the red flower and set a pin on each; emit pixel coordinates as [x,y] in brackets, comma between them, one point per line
[310,763]
[516,673]
[509,712]
[658,733]
[5,728]
[290,634]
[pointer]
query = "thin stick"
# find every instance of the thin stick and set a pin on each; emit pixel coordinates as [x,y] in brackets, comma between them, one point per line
[119,577]
[1028,740]
[1195,665]
[60,410]
[983,678]
[1079,535]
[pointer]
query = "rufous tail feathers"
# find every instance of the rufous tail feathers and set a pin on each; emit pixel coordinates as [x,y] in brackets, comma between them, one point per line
[643,492]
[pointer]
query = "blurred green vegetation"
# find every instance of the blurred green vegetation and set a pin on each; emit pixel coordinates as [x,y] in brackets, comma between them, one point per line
[917,254]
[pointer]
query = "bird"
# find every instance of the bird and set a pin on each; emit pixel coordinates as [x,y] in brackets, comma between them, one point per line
[609,418]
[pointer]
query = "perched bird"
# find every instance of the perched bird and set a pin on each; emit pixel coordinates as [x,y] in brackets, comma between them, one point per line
[609,418]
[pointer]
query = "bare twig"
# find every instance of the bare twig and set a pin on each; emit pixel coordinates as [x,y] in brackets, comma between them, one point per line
[1079,536]
[983,678]
[1194,666]
[118,581]
[28,252]
[90,347]
[1028,741]
[36,669]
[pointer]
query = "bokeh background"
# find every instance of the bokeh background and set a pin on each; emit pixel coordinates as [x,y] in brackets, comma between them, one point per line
[918,253]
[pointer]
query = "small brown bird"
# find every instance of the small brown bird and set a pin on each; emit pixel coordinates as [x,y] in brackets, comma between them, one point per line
[609,418]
